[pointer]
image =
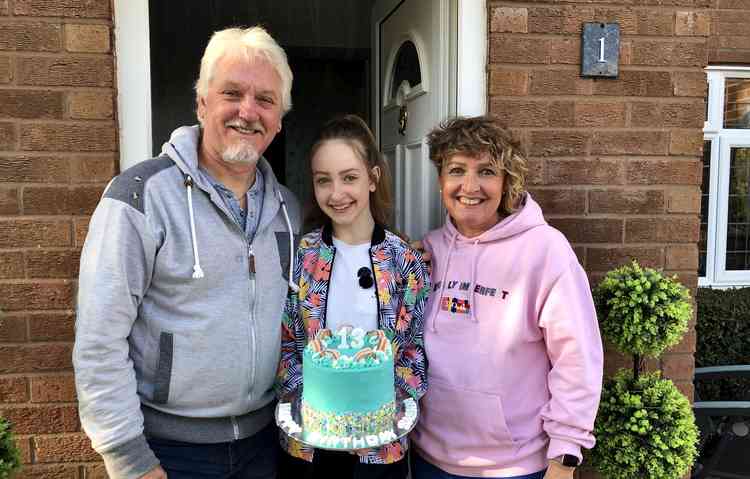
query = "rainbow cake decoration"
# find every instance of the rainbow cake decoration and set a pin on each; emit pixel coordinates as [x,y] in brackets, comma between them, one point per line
[348,391]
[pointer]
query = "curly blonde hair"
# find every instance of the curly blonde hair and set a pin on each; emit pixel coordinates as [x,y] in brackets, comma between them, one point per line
[475,137]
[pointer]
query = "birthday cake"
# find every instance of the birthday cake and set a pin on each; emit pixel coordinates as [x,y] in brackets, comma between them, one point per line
[348,392]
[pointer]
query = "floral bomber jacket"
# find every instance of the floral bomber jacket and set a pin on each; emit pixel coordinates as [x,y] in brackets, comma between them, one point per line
[402,286]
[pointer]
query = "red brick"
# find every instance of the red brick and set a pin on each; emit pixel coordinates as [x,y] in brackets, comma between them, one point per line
[91,105]
[669,54]
[96,471]
[678,366]
[681,115]
[4,10]
[81,229]
[636,83]
[558,143]
[13,390]
[730,56]
[589,230]
[559,82]
[51,326]
[547,19]
[684,200]
[687,345]
[9,204]
[561,113]
[35,233]
[6,70]
[95,169]
[53,388]
[666,172]
[692,24]
[27,36]
[11,264]
[31,104]
[8,136]
[62,8]
[655,22]
[13,329]
[506,48]
[733,4]
[585,172]
[662,230]
[68,137]
[600,114]
[48,472]
[629,143]
[52,264]
[557,201]
[43,419]
[36,358]
[68,448]
[606,259]
[686,142]
[626,201]
[682,257]
[688,390]
[66,71]
[30,169]
[508,19]
[519,113]
[24,446]
[565,50]
[50,200]
[690,84]
[509,82]
[87,38]
[33,296]
[535,176]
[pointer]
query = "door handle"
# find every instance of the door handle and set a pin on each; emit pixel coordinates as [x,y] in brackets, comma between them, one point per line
[403,119]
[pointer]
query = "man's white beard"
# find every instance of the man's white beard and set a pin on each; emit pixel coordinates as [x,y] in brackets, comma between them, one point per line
[243,153]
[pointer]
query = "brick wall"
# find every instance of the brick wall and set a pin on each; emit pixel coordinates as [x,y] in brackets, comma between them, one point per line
[730,35]
[58,142]
[615,164]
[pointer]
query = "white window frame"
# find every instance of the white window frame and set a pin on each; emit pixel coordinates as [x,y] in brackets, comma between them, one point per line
[722,140]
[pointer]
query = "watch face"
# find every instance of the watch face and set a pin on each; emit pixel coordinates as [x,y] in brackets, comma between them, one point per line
[569,460]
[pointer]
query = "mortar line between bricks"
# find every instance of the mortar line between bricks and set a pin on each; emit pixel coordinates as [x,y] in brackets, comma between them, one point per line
[593,98]
[58,88]
[576,67]
[681,39]
[647,8]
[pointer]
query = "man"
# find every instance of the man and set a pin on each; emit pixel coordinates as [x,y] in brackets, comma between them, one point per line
[183,281]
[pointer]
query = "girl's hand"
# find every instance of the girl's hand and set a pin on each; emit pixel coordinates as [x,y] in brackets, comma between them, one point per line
[555,470]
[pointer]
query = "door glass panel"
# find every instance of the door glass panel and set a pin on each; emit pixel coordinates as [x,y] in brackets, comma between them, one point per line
[737,103]
[703,242]
[406,68]
[738,210]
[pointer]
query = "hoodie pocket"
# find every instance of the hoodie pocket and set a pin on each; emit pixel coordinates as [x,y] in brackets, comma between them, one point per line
[464,427]
[163,376]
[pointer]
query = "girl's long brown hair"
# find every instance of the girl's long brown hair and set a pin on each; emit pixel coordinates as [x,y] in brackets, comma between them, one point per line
[353,130]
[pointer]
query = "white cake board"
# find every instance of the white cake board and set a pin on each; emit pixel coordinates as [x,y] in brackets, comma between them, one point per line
[289,419]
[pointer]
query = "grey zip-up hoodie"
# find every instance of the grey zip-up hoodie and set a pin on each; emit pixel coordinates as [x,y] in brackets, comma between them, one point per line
[176,337]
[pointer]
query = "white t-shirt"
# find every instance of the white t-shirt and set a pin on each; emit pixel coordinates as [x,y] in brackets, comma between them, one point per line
[349,303]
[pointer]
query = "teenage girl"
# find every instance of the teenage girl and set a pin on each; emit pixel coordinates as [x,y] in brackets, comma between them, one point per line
[351,270]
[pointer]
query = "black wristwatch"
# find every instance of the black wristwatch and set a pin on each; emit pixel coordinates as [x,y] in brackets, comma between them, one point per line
[569,460]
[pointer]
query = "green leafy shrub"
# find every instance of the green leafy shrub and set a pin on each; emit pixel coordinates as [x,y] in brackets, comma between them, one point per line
[644,429]
[641,311]
[723,330]
[10,456]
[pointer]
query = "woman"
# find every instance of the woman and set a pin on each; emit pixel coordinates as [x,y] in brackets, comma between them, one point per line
[352,271]
[510,328]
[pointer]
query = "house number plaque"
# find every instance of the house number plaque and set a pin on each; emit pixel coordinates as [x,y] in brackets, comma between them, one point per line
[600,54]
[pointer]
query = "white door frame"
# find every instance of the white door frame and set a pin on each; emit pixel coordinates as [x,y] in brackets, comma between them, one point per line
[133,61]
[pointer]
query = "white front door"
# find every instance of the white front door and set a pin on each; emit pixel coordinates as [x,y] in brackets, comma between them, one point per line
[414,90]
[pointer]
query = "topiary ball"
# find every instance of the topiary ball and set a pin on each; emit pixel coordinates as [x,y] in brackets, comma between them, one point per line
[10,456]
[645,429]
[642,311]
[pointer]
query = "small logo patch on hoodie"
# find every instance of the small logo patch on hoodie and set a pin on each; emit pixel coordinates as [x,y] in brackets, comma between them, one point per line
[455,305]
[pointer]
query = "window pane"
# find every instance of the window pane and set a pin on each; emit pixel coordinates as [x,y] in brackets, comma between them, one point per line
[702,244]
[738,214]
[737,103]
[406,68]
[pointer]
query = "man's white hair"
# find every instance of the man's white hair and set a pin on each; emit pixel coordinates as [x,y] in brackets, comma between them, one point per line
[251,42]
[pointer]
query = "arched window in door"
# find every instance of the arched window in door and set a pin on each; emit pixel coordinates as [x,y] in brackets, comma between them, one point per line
[405,69]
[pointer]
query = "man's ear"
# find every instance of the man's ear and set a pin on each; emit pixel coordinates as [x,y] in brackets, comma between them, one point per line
[200,109]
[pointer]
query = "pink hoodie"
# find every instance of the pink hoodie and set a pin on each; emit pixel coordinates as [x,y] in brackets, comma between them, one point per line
[515,356]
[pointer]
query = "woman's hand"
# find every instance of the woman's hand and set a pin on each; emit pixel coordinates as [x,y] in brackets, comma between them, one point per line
[426,256]
[555,470]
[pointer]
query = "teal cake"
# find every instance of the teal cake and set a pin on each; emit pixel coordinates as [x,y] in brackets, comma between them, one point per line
[348,391]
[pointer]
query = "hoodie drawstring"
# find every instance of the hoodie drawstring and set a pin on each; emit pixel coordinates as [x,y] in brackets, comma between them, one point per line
[292,254]
[197,270]
[433,322]
[473,284]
